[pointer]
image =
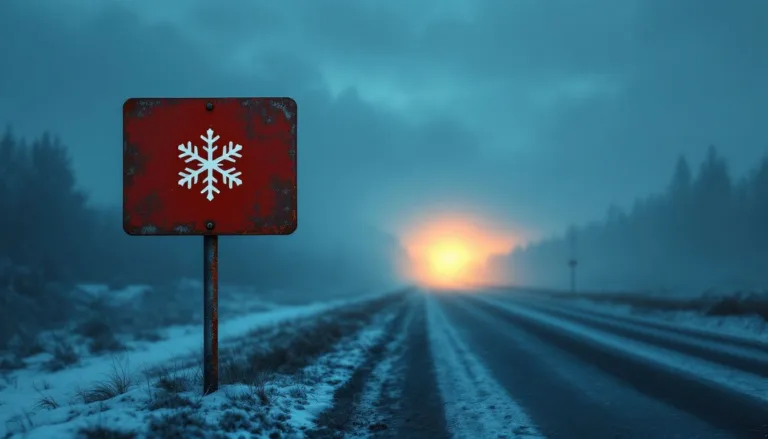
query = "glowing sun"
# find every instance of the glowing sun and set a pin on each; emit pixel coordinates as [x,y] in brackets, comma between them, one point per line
[453,253]
[449,259]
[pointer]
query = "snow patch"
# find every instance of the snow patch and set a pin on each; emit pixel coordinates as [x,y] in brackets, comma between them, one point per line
[751,327]
[336,368]
[637,326]
[745,383]
[475,404]
[125,294]
[22,391]
[378,385]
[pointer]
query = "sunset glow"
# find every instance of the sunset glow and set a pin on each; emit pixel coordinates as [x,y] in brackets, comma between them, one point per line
[454,253]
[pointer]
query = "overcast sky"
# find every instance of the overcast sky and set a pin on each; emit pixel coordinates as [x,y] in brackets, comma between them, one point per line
[530,114]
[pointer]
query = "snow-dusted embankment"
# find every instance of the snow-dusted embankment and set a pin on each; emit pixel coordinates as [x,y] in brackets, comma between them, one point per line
[631,340]
[746,327]
[144,391]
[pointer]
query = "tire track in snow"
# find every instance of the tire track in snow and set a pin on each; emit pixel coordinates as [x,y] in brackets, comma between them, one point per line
[729,399]
[383,387]
[475,405]
[754,361]
[353,411]
[747,384]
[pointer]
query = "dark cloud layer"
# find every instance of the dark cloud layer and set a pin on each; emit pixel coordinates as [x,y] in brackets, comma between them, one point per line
[537,113]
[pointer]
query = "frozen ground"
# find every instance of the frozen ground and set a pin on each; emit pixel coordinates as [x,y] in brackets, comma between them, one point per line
[401,366]
[575,374]
[740,315]
[743,326]
[154,385]
[720,375]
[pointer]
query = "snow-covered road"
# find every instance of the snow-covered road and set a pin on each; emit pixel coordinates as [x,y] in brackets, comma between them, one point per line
[417,365]
[581,374]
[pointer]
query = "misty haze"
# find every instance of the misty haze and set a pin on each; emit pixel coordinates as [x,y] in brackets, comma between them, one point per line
[516,219]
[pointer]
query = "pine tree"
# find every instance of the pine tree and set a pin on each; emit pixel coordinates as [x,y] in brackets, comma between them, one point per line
[682,180]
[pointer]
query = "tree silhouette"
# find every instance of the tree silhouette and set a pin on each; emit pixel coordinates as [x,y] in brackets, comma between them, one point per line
[706,230]
[49,228]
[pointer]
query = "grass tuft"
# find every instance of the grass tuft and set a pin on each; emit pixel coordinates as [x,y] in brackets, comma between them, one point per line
[119,381]
[63,355]
[46,402]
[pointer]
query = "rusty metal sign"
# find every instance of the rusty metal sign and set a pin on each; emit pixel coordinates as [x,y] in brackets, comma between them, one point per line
[197,166]
[203,166]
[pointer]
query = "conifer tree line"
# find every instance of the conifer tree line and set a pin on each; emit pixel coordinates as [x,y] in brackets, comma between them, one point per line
[706,230]
[49,229]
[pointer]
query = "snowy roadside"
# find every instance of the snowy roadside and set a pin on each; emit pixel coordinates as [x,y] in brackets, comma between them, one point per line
[739,382]
[104,321]
[363,406]
[35,403]
[751,327]
[740,315]
[233,299]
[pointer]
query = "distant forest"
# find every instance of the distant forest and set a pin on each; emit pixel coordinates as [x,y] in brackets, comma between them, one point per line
[52,239]
[707,230]
[49,230]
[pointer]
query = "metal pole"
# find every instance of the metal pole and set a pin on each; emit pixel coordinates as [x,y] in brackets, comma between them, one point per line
[210,314]
[573,262]
[573,276]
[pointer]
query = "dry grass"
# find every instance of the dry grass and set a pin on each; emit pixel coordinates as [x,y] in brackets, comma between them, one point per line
[182,424]
[337,420]
[46,402]
[166,384]
[63,355]
[118,382]
[253,404]
[736,304]
[293,348]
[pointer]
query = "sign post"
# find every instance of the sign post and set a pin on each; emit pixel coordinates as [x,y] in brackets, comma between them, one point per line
[210,167]
[573,262]
[210,314]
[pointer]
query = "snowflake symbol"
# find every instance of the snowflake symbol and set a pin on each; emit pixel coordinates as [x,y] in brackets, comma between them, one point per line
[209,165]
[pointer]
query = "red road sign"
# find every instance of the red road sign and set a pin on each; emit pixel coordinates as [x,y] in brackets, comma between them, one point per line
[197,166]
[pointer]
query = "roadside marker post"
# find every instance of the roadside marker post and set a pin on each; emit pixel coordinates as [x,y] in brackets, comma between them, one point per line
[210,313]
[573,262]
[209,167]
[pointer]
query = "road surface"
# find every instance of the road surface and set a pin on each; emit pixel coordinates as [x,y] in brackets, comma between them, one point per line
[507,365]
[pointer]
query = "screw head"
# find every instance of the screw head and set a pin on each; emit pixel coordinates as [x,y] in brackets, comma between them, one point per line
[209,225]
[209,106]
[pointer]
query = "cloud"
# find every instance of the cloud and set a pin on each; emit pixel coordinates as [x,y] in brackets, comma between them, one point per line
[66,78]
[536,113]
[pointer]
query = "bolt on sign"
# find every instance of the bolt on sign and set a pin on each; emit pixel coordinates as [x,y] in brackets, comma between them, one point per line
[210,167]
